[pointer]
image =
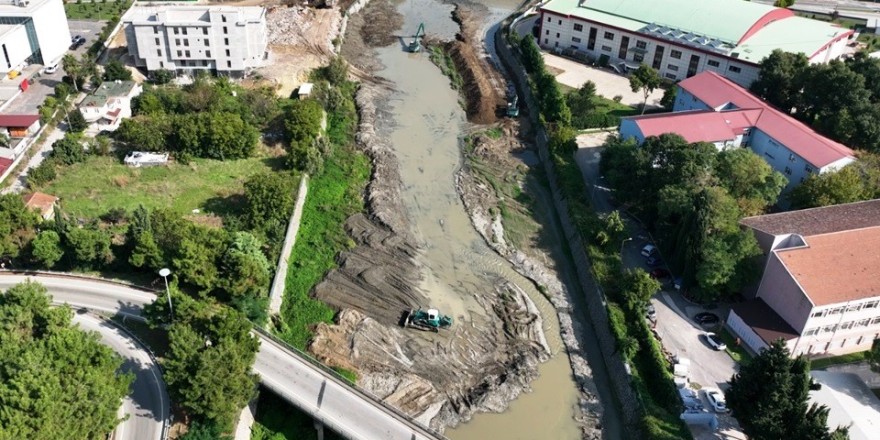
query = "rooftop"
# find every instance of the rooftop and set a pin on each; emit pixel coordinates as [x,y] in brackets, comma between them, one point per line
[718,91]
[699,125]
[18,121]
[38,200]
[189,14]
[745,30]
[836,267]
[817,221]
[764,321]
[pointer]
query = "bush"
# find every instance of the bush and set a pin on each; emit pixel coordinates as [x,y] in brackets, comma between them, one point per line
[42,174]
[77,121]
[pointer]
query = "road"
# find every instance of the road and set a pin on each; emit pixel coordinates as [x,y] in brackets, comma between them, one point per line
[322,395]
[148,404]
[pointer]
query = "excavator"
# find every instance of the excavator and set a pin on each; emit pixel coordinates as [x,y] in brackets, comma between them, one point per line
[430,319]
[416,44]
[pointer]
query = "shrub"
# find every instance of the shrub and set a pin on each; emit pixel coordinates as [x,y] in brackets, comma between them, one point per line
[42,174]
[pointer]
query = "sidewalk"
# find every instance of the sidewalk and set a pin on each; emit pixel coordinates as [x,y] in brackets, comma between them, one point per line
[276,294]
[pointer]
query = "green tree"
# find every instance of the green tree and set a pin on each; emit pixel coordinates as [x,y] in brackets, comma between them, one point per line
[116,71]
[874,356]
[46,249]
[637,288]
[304,156]
[336,72]
[302,120]
[770,394]
[646,80]
[668,99]
[826,189]
[531,55]
[554,109]
[749,179]
[781,79]
[830,90]
[227,136]
[199,430]
[208,365]
[56,381]
[783,3]
[42,174]
[145,133]
[77,121]
[74,69]
[89,247]
[162,76]
[68,150]
[196,255]
[246,271]
[17,225]
[268,199]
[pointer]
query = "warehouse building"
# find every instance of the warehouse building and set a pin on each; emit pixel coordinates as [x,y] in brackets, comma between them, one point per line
[681,38]
[220,39]
[31,32]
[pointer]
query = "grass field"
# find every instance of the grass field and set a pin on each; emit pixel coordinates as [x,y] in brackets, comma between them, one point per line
[820,364]
[98,10]
[101,183]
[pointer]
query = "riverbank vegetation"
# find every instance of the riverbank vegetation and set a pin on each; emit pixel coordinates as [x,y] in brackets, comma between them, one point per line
[56,380]
[651,373]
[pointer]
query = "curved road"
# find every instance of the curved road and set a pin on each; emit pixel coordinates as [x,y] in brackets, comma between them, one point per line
[322,395]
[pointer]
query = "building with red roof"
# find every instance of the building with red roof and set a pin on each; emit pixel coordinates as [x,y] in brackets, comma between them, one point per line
[711,108]
[19,126]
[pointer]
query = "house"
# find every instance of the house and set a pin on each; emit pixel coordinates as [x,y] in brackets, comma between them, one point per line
[19,126]
[44,203]
[109,104]
[681,38]
[31,31]
[711,108]
[820,289]
[221,39]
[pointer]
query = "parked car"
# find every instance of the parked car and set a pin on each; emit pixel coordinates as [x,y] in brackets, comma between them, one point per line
[660,273]
[714,341]
[649,250]
[706,318]
[654,261]
[716,399]
[50,69]
[651,312]
[78,39]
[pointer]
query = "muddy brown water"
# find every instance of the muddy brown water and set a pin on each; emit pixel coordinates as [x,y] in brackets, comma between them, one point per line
[457,264]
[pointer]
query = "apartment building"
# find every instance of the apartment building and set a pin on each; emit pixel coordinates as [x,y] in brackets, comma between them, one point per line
[32,32]
[187,39]
[681,38]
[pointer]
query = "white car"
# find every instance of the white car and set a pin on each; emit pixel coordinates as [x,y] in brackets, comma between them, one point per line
[50,69]
[648,250]
[714,341]
[716,399]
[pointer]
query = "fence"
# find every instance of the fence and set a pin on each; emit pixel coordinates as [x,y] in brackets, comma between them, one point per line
[596,307]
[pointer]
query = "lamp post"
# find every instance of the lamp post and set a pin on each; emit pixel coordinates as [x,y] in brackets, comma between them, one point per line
[164,272]
[621,248]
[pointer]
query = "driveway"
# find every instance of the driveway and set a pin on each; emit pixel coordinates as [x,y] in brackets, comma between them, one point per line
[679,335]
[608,83]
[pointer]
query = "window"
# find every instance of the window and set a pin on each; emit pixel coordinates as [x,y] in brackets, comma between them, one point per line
[641,44]
[187,54]
[176,31]
[734,69]
[177,41]
[672,67]
[578,27]
[547,32]
[549,19]
[205,31]
[853,307]
[229,64]
[863,322]
[576,39]
[811,332]
[560,22]
[573,47]
[870,304]
[545,40]
[835,310]
[713,63]
[155,29]
[207,42]
[787,171]
[818,313]
[225,31]
[223,18]
[159,52]
[606,48]
[204,63]
[847,325]
[184,31]
[670,76]
[226,41]
[769,155]
[557,35]
[208,53]
[658,57]
[675,54]
[179,54]
[161,64]
[875,321]
[808,169]
[186,42]
[591,42]
[637,57]
[829,328]
[227,52]
[791,157]
[609,36]
[157,42]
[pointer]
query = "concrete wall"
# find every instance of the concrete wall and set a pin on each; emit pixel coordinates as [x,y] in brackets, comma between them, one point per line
[558,32]
[741,330]
[780,291]
[684,101]
[781,158]
[620,381]
[14,49]
[53,34]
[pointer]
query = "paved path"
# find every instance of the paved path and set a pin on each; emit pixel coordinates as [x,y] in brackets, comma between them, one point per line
[276,294]
[345,409]
[608,84]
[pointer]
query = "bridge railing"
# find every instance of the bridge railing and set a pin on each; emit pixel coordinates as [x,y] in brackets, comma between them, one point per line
[327,371]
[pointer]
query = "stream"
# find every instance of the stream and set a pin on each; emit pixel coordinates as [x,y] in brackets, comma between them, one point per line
[456,263]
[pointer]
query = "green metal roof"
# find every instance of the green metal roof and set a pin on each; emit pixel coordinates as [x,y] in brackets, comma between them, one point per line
[794,34]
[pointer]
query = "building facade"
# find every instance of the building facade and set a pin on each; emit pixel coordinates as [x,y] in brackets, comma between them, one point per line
[711,108]
[681,38]
[107,106]
[819,291]
[219,39]
[32,32]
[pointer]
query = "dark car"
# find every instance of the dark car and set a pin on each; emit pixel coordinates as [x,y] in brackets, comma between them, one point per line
[78,39]
[660,273]
[654,261]
[706,318]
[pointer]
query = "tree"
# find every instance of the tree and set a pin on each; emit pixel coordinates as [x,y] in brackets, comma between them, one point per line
[68,150]
[783,3]
[302,120]
[646,80]
[304,156]
[749,179]
[145,133]
[246,271]
[874,356]
[268,198]
[826,189]
[336,71]
[781,79]
[227,136]
[637,288]
[199,430]
[116,71]
[17,224]
[581,103]
[89,246]
[162,76]
[668,99]
[56,381]
[46,249]
[77,121]
[208,365]
[769,396]
[554,109]
[533,61]
[74,69]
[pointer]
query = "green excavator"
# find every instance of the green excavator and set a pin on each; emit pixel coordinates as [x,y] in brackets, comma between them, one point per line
[416,44]
[430,319]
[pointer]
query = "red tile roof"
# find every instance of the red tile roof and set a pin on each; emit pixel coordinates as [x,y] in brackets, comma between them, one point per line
[816,221]
[16,121]
[4,164]
[837,267]
[699,125]
[717,91]
[38,200]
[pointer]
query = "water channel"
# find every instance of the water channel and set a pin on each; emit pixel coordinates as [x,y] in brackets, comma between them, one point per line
[428,126]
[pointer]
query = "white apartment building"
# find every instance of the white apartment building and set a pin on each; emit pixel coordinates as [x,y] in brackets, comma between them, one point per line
[32,32]
[186,39]
[681,38]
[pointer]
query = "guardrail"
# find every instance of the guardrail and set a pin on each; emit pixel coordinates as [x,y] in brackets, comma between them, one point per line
[326,371]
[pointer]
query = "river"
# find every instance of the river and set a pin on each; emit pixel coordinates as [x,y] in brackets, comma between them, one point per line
[428,125]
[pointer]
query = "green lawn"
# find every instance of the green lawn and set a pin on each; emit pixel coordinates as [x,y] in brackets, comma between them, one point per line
[99,10]
[101,183]
[609,106]
[737,352]
[819,364]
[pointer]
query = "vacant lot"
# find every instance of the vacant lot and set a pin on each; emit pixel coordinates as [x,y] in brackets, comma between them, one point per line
[100,10]
[92,188]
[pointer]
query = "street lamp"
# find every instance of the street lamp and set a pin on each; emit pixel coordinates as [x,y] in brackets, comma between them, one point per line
[621,247]
[164,272]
